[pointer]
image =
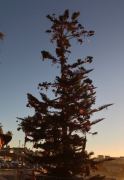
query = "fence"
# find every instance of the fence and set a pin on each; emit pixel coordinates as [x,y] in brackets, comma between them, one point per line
[26,174]
[8,174]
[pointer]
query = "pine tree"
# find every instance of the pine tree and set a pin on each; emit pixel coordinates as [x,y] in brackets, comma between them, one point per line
[4,138]
[60,124]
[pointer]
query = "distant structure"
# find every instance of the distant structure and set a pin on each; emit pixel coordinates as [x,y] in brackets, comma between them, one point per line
[4,138]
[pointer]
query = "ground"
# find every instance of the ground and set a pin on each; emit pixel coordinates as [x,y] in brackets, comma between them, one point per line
[112,169]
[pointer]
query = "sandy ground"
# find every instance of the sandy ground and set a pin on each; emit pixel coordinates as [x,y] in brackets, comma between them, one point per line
[112,169]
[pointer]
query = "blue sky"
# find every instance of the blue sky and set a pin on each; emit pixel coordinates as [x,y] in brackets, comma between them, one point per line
[21,69]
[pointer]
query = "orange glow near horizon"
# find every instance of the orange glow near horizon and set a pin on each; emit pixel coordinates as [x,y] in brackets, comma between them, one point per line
[107,151]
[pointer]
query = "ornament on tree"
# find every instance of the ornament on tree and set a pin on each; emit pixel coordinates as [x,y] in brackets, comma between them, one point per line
[83,112]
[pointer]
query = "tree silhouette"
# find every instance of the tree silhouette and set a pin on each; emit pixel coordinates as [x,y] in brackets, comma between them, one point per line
[4,138]
[60,124]
[1,35]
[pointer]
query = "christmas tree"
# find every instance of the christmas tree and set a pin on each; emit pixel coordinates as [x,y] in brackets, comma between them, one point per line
[60,124]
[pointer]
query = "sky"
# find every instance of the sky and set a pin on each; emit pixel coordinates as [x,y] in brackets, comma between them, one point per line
[21,69]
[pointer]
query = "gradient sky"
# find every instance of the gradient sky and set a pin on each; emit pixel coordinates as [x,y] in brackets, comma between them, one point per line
[24,23]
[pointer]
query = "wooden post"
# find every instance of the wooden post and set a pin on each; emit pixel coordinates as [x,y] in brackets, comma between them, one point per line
[33,174]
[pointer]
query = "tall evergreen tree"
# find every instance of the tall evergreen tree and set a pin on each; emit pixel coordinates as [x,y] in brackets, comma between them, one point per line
[60,124]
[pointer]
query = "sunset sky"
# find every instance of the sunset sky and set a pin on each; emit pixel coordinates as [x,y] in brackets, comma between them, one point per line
[21,68]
